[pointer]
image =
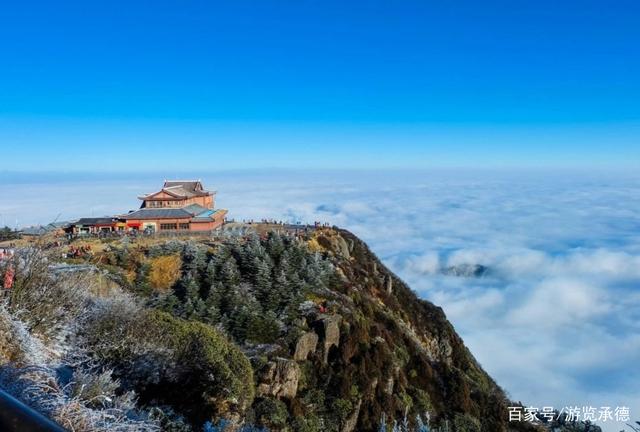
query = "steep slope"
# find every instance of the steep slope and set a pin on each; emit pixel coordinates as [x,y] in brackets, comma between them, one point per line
[401,351]
[301,330]
[336,341]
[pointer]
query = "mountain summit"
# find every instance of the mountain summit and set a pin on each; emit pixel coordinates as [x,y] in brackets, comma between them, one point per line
[281,328]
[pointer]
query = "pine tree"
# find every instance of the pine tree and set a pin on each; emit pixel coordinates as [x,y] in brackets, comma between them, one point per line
[209,278]
[170,304]
[262,328]
[261,279]
[193,259]
[236,322]
[249,252]
[229,274]
[212,312]
[275,246]
[142,279]
[193,306]
[280,293]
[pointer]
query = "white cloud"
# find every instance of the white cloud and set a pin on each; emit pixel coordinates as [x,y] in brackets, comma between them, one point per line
[556,302]
[556,320]
[428,263]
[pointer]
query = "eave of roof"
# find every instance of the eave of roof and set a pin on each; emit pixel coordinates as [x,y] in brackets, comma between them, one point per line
[95,221]
[208,215]
[151,213]
[195,209]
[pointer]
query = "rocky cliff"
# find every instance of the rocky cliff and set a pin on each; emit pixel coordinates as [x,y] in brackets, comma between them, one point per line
[292,331]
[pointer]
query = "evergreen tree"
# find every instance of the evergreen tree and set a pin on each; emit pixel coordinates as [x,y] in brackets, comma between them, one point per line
[280,293]
[249,252]
[170,304]
[262,328]
[193,305]
[194,259]
[252,288]
[141,281]
[229,274]
[261,279]
[212,312]
[237,321]
[275,246]
[7,233]
[209,278]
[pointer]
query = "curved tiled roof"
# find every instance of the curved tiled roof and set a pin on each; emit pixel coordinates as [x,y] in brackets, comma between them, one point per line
[181,189]
[160,213]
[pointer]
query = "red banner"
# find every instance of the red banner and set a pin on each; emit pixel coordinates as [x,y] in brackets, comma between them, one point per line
[8,278]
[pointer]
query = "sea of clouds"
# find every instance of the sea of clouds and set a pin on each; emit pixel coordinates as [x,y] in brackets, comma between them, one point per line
[556,317]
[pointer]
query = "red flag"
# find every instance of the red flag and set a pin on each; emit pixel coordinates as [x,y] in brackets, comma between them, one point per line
[8,278]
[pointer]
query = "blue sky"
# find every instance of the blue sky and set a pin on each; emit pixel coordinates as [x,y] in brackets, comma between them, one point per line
[101,86]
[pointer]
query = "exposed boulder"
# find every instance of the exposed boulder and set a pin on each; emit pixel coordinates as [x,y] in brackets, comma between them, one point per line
[336,244]
[306,344]
[388,386]
[343,247]
[279,378]
[329,326]
[351,421]
[388,284]
[439,349]
[466,270]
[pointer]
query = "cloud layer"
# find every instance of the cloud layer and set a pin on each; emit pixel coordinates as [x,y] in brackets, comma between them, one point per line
[556,319]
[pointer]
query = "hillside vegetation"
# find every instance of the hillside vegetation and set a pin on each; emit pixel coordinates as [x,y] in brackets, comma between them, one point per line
[281,332]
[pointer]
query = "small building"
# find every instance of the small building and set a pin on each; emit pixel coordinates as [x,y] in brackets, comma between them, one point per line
[96,225]
[56,228]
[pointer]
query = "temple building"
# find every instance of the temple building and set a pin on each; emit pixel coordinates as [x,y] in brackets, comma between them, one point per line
[179,194]
[181,205]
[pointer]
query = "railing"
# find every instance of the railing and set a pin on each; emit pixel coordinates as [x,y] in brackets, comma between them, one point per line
[18,417]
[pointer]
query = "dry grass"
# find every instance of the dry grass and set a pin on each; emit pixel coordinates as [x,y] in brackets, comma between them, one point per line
[165,271]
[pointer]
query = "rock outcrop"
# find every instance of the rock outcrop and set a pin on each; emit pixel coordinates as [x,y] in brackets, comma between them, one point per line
[330,332]
[335,243]
[306,344]
[351,421]
[466,270]
[279,379]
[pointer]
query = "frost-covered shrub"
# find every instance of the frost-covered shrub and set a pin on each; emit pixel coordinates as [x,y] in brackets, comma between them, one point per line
[188,365]
[170,247]
[38,387]
[46,302]
[405,426]
[17,346]
[100,390]
[89,402]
